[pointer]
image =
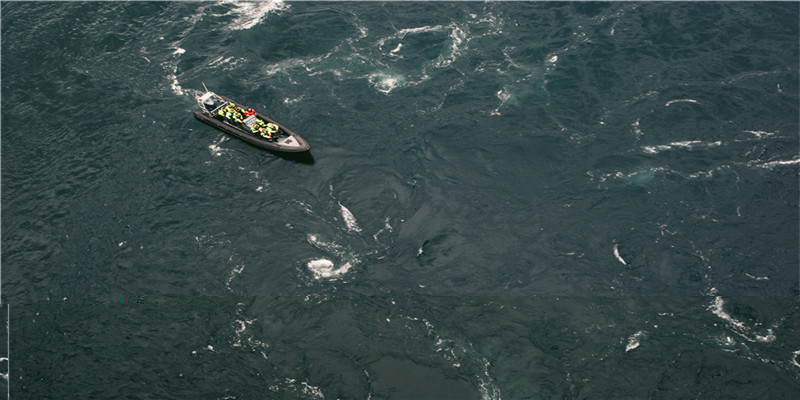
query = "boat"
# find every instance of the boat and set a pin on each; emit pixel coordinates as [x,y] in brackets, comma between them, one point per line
[247,124]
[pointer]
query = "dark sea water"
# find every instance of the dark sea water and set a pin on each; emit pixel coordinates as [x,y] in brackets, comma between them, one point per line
[509,200]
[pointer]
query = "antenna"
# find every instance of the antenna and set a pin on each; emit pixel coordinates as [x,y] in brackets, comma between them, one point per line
[204,86]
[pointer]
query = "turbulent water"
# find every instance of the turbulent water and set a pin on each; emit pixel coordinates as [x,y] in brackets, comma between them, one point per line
[504,200]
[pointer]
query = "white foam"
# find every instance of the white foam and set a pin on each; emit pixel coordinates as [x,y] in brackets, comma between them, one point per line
[654,149]
[489,391]
[634,341]
[349,219]
[250,14]
[794,358]
[287,100]
[459,355]
[250,343]
[311,390]
[333,248]
[405,31]
[616,254]
[323,268]
[175,85]
[739,327]
[760,134]
[386,227]
[384,82]
[636,130]
[215,149]
[396,49]
[457,35]
[292,63]
[681,101]
[237,270]
[686,144]
[504,95]
[173,77]
[770,164]
[758,278]
[305,388]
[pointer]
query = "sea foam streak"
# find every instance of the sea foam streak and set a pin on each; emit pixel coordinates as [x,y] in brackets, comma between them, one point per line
[464,357]
[770,164]
[616,254]
[349,219]
[175,85]
[681,101]
[686,144]
[738,326]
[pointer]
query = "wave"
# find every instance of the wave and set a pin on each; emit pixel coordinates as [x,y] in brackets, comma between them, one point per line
[250,14]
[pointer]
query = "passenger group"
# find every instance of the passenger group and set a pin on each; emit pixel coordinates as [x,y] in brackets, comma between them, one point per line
[233,113]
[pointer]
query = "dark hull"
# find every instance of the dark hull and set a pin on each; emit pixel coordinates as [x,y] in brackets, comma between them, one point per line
[298,145]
